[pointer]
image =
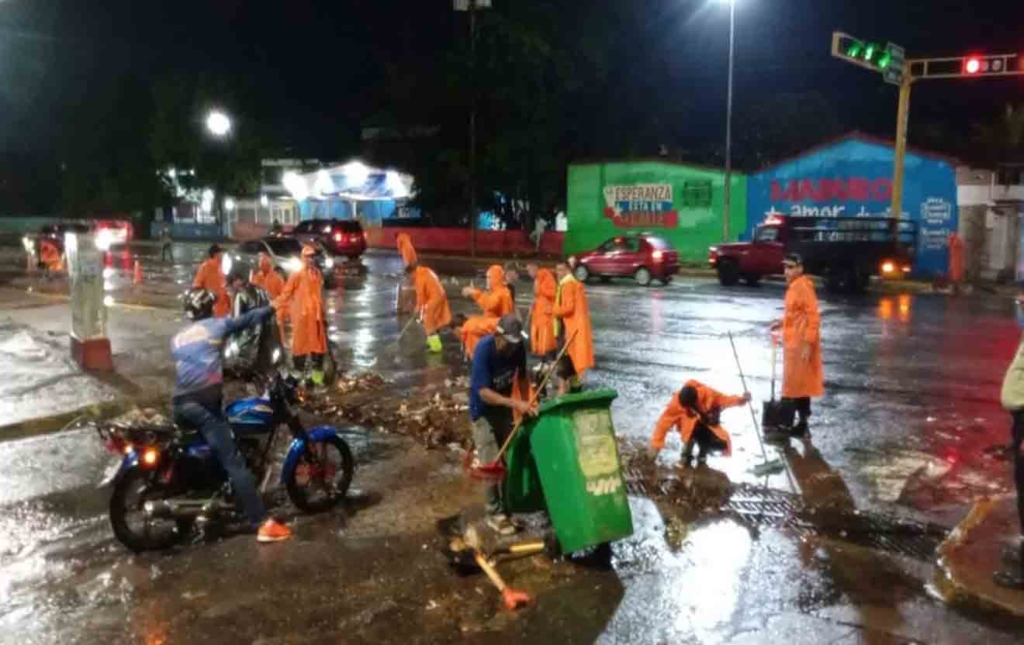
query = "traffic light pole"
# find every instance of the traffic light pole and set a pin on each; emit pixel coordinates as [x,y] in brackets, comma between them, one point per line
[902,123]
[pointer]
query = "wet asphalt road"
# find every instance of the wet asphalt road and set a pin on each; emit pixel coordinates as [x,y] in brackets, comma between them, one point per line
[910,423]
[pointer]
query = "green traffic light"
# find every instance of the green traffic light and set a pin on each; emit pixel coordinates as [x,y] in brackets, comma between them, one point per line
[885,60]
[869,52]
[855,49]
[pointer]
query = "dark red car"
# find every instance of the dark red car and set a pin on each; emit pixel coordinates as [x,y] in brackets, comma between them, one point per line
[339,237]
[642,257]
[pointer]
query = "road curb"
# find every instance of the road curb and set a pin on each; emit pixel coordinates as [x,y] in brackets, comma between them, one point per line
[59,422]
[971,554]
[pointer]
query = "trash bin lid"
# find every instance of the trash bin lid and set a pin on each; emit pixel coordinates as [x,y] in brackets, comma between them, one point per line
[605,395]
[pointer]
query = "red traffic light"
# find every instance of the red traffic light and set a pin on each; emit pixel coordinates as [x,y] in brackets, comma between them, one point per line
[972,65]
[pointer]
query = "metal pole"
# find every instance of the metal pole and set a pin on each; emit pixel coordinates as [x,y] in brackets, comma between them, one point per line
[902,119]
[727,193]
[472,129]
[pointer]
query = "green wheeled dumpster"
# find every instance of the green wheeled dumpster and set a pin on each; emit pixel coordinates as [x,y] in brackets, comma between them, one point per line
[566,461]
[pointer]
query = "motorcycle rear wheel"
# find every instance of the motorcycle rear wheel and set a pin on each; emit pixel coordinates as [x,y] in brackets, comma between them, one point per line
[127,517]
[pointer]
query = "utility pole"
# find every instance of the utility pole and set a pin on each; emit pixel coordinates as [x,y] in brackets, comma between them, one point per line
[471,6]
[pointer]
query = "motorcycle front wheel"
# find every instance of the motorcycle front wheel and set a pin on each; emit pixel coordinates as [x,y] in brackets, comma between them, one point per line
[132,527]
[322,477]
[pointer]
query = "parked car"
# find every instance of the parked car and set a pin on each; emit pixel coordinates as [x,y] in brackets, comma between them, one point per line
[643,257]
[339,237]
[285,253]
[845,251]
[114,231]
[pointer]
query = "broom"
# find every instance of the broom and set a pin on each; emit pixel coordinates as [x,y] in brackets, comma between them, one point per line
[495,470]
[766,467]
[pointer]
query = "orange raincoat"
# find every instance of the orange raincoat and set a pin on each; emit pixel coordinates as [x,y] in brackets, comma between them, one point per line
[271,282]
[431,300]
[497,300]
[404,244]
[211,278]
[542,324]
[685,420]
[572,310]
[304,292]
[473,331]
[50,257]
[956,259]
[801,325]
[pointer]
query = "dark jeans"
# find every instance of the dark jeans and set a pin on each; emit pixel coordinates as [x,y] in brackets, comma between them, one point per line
[166,250]
[199,412]
[489,432]
[705,440]
[1018,463]
[801,407]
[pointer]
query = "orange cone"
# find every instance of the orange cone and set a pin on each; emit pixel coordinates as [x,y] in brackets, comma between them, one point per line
[137,277]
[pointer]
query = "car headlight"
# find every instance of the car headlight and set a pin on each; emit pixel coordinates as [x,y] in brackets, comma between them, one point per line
[329,263]
[292,265]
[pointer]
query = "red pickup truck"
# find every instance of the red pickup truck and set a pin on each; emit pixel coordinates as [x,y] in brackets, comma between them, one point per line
[845,251]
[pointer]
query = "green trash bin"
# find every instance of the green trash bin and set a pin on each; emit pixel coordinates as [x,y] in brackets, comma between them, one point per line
[571,452]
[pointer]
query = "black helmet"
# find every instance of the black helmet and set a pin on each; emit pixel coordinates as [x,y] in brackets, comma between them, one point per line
[199,304]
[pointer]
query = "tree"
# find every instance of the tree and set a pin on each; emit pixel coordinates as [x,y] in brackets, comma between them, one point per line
[1002,139]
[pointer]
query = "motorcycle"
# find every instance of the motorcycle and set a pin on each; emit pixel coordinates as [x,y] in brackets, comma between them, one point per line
[168,480]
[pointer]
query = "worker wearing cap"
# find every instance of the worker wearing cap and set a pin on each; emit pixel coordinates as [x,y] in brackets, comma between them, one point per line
[304,292]
[271,281]
[210,276]
[498,391]
[802,373]
[695,413]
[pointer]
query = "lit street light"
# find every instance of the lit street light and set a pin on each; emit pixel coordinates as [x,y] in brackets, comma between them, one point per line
[218,124]
[727,193]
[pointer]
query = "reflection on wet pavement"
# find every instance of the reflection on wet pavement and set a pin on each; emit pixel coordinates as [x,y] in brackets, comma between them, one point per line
[908,425]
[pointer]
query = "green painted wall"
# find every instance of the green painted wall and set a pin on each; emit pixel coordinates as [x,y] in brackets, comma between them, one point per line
[681,203]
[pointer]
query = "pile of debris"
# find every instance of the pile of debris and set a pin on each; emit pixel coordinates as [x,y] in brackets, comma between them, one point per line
[436,420]
[141,417]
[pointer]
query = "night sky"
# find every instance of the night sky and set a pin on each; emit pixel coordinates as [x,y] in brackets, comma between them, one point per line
[304,69]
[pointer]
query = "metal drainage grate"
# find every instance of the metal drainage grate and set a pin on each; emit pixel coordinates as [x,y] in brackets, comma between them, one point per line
[770,508]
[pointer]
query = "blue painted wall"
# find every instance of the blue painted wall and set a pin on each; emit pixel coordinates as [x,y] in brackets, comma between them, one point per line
[853,178]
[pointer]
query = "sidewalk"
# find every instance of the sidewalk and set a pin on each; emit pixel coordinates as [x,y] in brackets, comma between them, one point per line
[973,552]
[45,389]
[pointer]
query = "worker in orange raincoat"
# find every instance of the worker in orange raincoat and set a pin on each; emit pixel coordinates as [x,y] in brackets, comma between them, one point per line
[572,324]
[497,300]
[271,281]
[50,257]
[956,261]
[802,373]
[210,276]
[304,292]
[431,303]
[542,325]
[495,303]
[695,412]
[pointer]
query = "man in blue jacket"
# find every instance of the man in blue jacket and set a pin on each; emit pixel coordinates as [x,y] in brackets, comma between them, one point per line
[198,400]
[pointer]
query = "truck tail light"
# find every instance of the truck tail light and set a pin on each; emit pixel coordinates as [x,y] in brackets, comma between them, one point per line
[906,268]
[337,237]
[888,267]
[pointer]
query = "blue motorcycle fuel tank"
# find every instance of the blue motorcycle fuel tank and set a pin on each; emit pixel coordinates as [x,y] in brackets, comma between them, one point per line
[251,416]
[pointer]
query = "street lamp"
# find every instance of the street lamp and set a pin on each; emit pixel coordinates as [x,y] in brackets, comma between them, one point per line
[218,124]
[727,193]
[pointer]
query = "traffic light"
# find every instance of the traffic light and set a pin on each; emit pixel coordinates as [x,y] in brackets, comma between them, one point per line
[980,65]
[889,59]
